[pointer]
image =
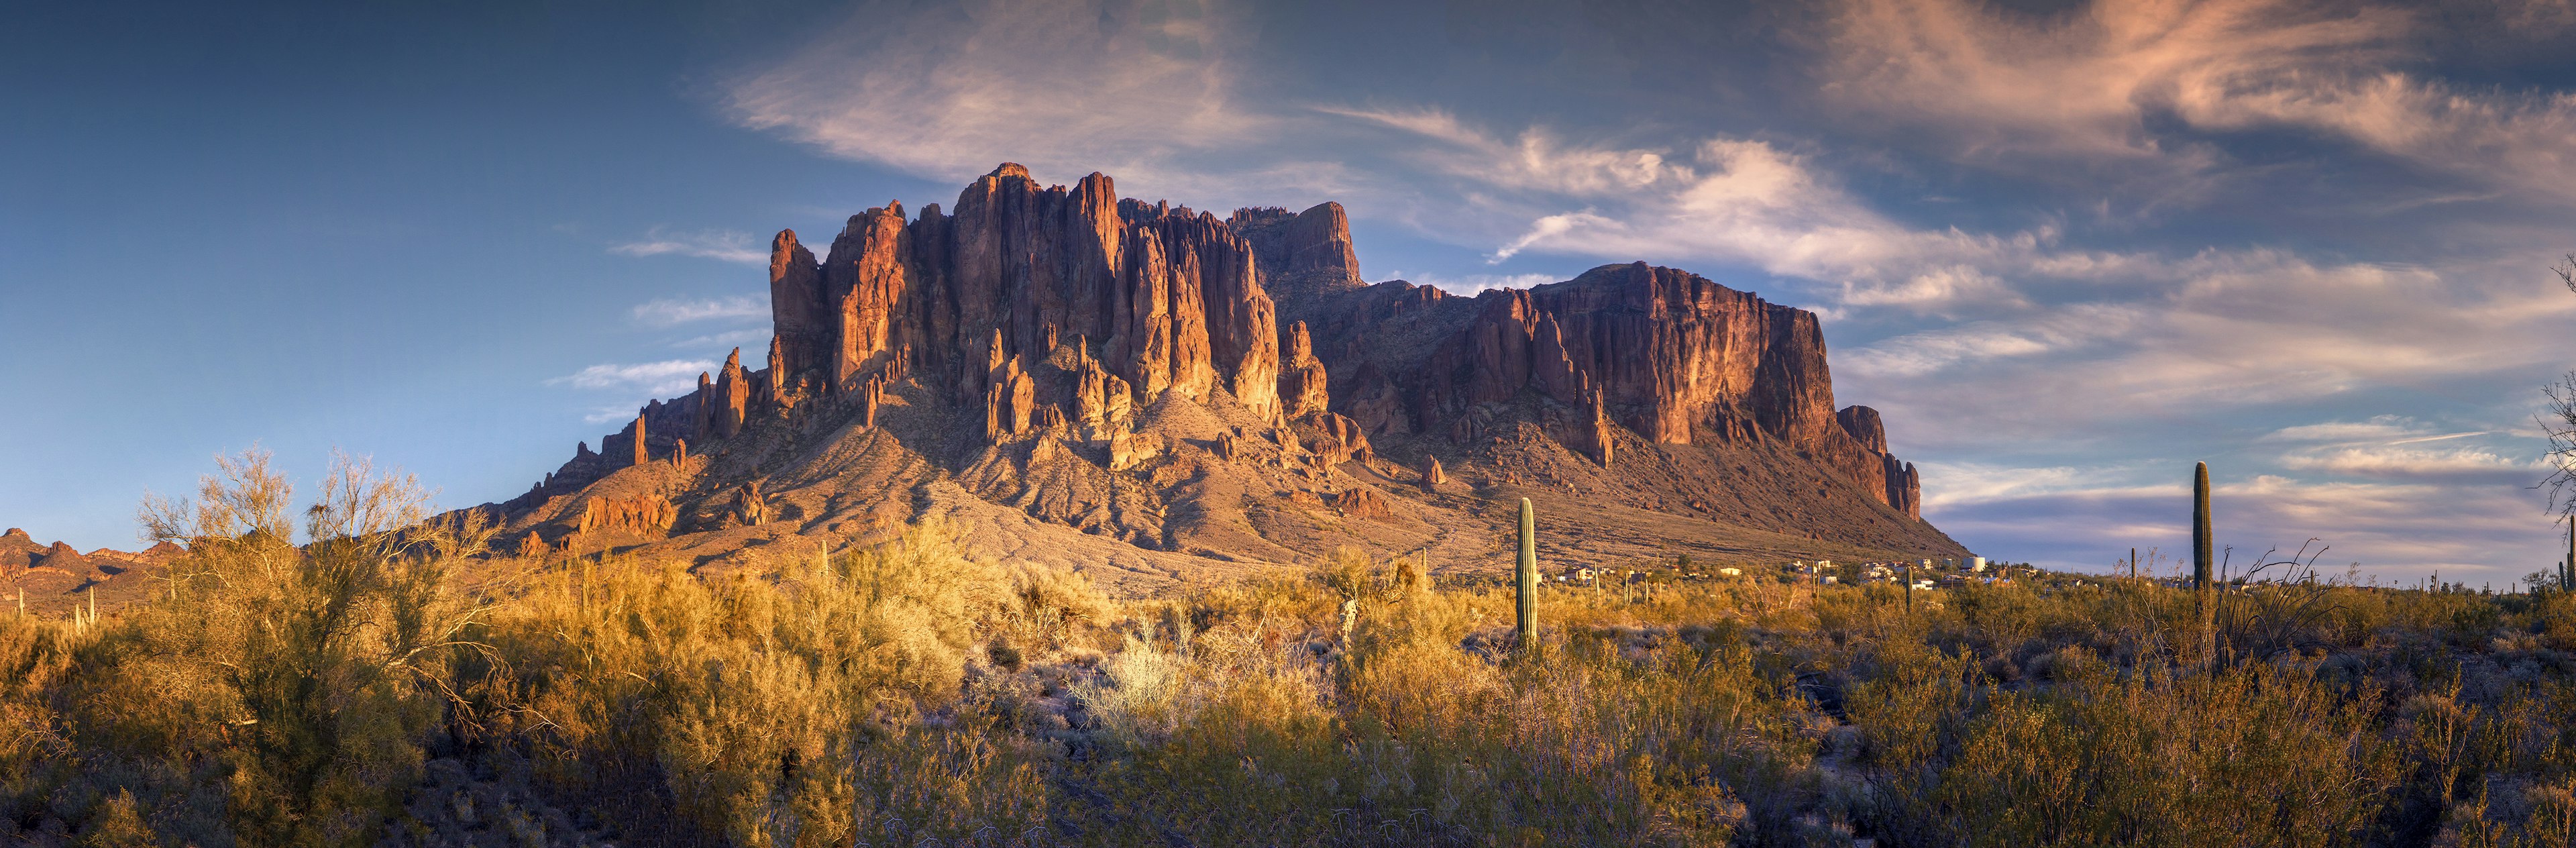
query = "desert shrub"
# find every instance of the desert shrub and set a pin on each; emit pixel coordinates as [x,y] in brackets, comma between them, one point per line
[279,694]
[372,684]
[758,710]
[2261,754]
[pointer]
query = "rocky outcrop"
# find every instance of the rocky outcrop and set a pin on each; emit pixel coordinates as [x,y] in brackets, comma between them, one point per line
[1590,431]
[17,551]
[732,397]
[1334,438]
[779,392]
[1103,404]
[797,307]
[1121,369]
[1863,425]
[702,418]
[1305,251]
[639,453]
[750,507]
[1302,379]
[1665,354]
[641,516]
[1010,398]
[1362,503]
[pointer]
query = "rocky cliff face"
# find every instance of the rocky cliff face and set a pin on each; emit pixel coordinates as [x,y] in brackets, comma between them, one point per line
[1162,299]
[1120,369]
[1662,354]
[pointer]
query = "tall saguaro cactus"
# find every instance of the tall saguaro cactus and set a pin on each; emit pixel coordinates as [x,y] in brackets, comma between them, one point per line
[2201,558]
[1525,578]
[2203,562]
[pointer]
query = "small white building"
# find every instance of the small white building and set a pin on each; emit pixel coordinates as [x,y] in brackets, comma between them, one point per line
[1977,564]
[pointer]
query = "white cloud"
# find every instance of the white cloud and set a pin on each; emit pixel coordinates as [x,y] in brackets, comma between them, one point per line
[659,379]
[1536,160]
[671,312]
[2380,428]
[1734,201]
[1952,483]
[1932,351]
[2103,82]
[727,339]
[722,245]
[1470,285]
[609,414]
[2390,462]
[948,91]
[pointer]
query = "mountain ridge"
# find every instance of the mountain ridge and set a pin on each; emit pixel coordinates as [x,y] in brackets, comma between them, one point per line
[1108,382]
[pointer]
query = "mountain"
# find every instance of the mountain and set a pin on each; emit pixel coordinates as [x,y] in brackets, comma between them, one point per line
[1066,375]
[52,579]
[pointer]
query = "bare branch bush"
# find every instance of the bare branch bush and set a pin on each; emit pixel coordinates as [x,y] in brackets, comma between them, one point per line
[2276,605]
[311,670]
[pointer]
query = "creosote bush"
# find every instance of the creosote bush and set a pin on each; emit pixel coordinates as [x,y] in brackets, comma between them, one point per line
[388,681]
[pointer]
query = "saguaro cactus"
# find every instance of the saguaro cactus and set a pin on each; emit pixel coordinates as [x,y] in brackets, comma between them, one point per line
[2567,567]
[1525,578]
[2202,561]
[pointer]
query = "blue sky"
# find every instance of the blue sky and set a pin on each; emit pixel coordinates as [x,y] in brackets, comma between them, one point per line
[2067,249]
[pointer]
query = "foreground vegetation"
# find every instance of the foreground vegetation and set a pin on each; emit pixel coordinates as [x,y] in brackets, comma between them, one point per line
[385,686]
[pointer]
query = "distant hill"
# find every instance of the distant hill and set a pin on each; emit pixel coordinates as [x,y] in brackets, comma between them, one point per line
[54,578]
[1151,392]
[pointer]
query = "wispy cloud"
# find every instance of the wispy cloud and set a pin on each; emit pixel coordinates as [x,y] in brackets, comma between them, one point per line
[2391,462]
[672,312]
[1735,201]
[727,339]
[669,377]
[1061,87]
[2114,81]
[609,415]
[1474,284]
[2380,428]
[722,245]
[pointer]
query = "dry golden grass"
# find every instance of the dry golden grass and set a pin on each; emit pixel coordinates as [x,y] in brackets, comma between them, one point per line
[394,686]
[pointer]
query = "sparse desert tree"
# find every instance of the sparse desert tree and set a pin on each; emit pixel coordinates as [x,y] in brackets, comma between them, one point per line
[312,672]
[2559,421]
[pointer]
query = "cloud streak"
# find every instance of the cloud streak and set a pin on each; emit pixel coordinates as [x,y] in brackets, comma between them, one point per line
[673,312]
[2117,82]
[947,93]
[658,379]
[720,245]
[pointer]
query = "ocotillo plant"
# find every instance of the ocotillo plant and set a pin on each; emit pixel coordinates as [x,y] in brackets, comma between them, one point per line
[1525,578]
